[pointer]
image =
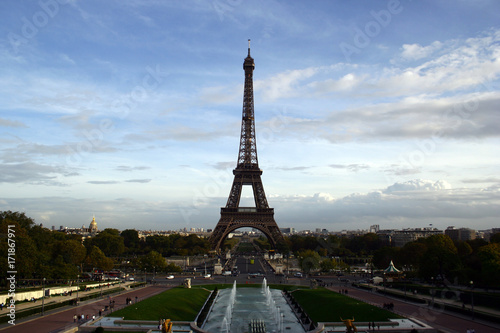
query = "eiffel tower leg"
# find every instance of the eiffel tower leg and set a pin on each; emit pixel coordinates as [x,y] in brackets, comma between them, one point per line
[231,219]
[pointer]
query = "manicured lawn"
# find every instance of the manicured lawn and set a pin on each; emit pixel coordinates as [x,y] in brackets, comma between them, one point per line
[175,304]
[323,305]
[249,285]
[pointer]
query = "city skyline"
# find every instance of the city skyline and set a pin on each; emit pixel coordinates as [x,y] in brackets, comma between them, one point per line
[366,113]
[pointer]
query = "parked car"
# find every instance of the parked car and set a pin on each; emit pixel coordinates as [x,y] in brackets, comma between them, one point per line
[298,274]
[170,277]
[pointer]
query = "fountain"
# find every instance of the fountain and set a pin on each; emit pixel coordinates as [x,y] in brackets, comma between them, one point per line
[252,310]
[230,305]
[225,326]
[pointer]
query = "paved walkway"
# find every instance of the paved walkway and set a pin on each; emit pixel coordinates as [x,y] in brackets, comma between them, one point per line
[62,318]
[438,318]
[58,299]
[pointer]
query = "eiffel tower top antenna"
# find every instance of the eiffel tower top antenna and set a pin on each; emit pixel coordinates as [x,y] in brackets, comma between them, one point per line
[247,156]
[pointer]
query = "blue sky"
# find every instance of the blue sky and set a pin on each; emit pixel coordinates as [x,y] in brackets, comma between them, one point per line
[367,112]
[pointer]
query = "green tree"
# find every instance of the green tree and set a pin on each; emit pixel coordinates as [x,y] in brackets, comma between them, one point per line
[173,268]
[72,251]
[25,249]
[109,241]
[19,218]
[490,263]
[60,269]
[440,259]
[131,239]
[383,256]
[495,238]
[97,259]
[161,244]
[328,265]
[308,260]
[153,261]
[262,243]
[411,255]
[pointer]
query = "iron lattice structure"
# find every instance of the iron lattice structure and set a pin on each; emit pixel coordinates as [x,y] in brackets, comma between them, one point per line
[247,172]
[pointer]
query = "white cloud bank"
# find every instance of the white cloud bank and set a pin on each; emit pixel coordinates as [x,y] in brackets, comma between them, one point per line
[415,203]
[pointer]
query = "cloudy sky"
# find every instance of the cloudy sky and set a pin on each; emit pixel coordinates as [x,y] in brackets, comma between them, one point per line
[367,112]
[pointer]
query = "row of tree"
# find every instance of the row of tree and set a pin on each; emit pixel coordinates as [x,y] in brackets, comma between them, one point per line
[42,253]
[439,258]
[57,255]
[435,258]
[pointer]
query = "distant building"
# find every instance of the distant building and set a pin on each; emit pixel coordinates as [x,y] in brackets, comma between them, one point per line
[399,238]
[462,234]
[374,228]
[287,230]
[93,226]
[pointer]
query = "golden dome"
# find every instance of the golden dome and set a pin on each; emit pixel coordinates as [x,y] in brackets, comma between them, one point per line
[93,225]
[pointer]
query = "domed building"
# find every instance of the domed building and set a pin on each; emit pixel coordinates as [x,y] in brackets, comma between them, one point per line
[93,226]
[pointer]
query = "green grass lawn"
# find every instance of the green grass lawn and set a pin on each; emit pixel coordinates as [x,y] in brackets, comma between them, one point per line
[183,304]
[175,304]
[250,285]
[323,305]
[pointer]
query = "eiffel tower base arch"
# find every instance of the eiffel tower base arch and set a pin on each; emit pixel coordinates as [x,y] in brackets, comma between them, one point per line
[231,219]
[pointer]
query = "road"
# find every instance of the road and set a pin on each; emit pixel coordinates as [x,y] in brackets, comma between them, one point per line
[58,320]
[433,317]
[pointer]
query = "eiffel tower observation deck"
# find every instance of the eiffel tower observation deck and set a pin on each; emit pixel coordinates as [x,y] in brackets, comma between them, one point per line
[247,173]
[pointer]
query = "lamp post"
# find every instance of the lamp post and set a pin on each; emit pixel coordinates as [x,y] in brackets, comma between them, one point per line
[43,295]
[404,280]
[432,290]
[472,297]
[77,287]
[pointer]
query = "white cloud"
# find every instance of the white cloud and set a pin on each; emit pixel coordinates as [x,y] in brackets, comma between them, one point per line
[411,204]
[283,84]
[459,65]
[418,185]
[416,51]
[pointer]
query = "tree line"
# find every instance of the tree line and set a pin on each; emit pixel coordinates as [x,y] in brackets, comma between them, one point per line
[434,258]
[41,253]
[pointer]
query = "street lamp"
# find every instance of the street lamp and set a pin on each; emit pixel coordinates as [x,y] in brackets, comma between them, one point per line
[432,290]
[77,287]
[472,297]
[43,295]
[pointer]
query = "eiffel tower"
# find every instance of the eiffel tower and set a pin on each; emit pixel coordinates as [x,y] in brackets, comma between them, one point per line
[247,172]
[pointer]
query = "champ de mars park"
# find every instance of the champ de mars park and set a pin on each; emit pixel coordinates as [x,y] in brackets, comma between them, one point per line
[247,272]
